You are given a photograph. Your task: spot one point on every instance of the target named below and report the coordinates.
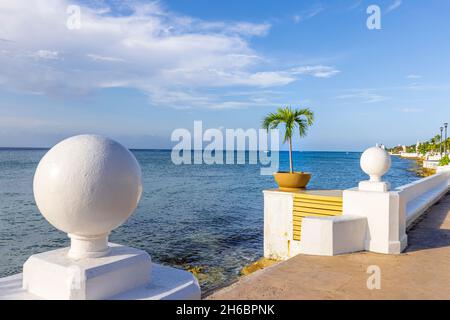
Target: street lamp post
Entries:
(445, 140)
(440, 144)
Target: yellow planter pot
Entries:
(292, 181)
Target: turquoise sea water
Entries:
(207, 217)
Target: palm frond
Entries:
(272, 120)
(306, 114)
(302, 118)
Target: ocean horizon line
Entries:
(170, 150)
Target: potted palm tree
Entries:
(302, 119)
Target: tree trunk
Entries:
(291, 170)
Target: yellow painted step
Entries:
(318, 206)
(317, 211)
(317, 197)
(303, 215)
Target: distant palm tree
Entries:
(301, 118)
(435, 142)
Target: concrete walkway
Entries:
(422, 272)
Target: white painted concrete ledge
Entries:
(166, 283)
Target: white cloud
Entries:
(5, 40)
(363, 95)
(411, 110)
(45, 54)
(175, 59)
(395, 5)
(355, 5)
(308, 14)
(97, 57)
(317, 71)
(242, 28)
(297, 18)
(413, 76)
(24, 122)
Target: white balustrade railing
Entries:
(418, 196)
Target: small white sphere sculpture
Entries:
(375, 162)
(86, 186)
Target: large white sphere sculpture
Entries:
(375, 162)
(86, 186)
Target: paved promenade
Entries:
(421, 272)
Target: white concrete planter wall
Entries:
(278, 220)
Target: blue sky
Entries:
(137, 70)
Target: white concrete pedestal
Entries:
(166, 283)
(375, 186)
(54, 275)
(386, 228)
(125, 273)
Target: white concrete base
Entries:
(328, 236)
(387, 247)
(386, 228)
(54, 275)
(374, 186)
(166, 283)
(123, 272)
